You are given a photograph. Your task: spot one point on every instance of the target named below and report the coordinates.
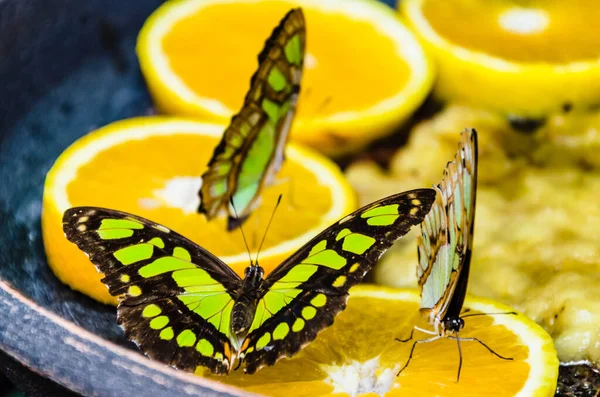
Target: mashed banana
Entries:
(537, 226)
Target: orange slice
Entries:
(364, 72)
(359, 356)
(151, 167)
(529, 58)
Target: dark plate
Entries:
(67, 67)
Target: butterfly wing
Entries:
(175, 298)
(252, 148)
(446, 240)
(304, 294)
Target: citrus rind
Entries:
(513, 88)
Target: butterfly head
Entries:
(253, 274)
(453, 324)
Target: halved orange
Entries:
(529, 58)
(151, 167)
(358, 356)
(364, 71)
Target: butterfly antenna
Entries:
(268, 225)
(241, 230)
(486, 314)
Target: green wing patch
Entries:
(303, 295)
(252, 148)
(175, 298)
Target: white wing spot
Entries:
(83, 219)
(82, 228)
(346, 219)
(162, 228)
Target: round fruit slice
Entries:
(529, 58)
(359, 355)
(364, 71)
(151, 167)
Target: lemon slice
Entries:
(530, 59)
(151, 167)
(364, 71)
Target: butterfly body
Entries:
(252, 149)
(246, 300)
(185, 307)
(451, 323)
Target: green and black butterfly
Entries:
(251, 151)
(445, 248)
(185, 307)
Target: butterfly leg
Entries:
(425, 331)
(482, 344)
(407, 339)
(412, 350)
(239, 364)
(459, 359)
(458, 339)
(413, 331)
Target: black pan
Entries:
(66, 67)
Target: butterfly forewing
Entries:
(175, 298)
(304, 294)
(252, 148)
(446, 240)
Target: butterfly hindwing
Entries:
(252, 148)
(303, 295)
(175, 298)
(446, 240)
(163, 331)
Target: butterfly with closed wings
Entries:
(251, 151)
(445, 247)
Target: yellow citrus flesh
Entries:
(364, 71)
(151, 167)
(530, 59)
(359, 355)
